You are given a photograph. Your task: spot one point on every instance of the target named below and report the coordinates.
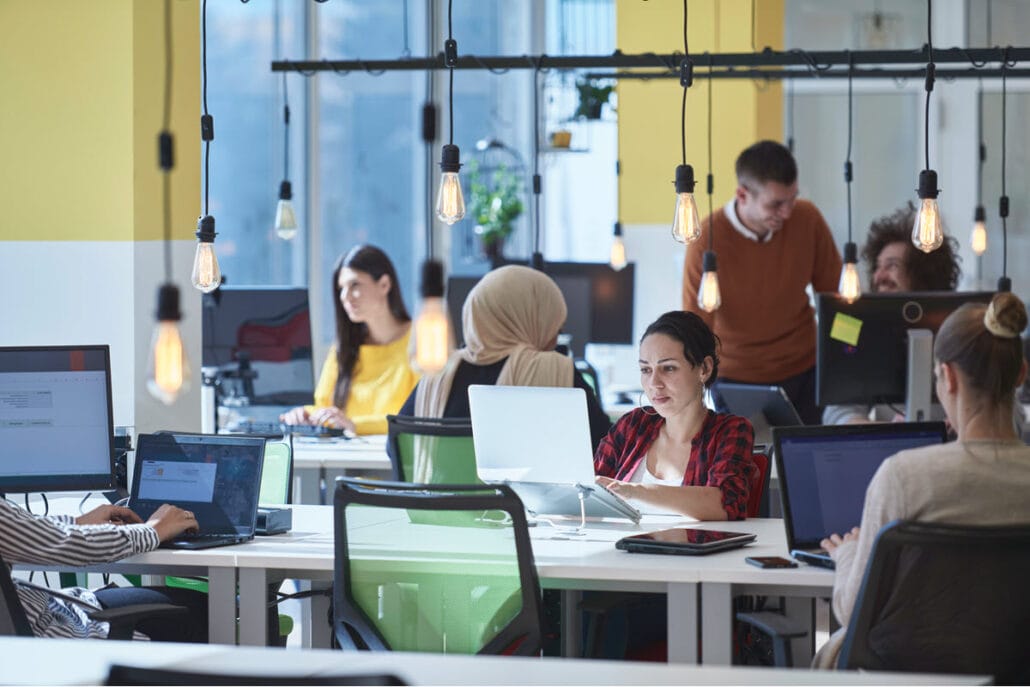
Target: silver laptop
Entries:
(766, 406)
(537, 439)
(218, 477)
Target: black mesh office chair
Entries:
(434, 568)
(129, 675)
(944, 599)
(14, 622)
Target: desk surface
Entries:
(87, 662)
(358, 453)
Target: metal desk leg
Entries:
(571, 623)
(221, 605)
(682, 604)
(253, 606)
(716, 624)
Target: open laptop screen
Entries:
(216, 477)
(824, 472)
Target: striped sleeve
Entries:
(28, 538)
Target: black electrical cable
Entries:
(407, 49)
(753, 24)
(286, 130)
(929, 79)
(206, 117)
(1003, 202)
(166, 123)
(790, 111)
(711, 176)
(847, 162)
(537, 181)
(683, 106)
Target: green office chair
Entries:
(427, 450)
(276, 479)
(404, 582)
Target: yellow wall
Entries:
(649, 111)
(80, 114)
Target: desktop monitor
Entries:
(260, 338)
(56, 423)
(599, 302)
(862, 347)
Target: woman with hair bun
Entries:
(676, 455)
(981, 479)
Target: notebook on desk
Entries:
(216, 477)
(537, 439)
(824, 472)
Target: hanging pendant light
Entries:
(206, 275)
(850, 286)
(709, 297)
(617, 256)
(450, 201)
(285, 216)
(927, 234)
(686, 225)
(168, 367)
(432, 332)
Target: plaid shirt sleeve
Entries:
(617, 454)
(730, 467)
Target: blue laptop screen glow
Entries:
(827, 478)
(215, 477)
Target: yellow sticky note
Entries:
(846, 328)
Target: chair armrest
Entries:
(124, 620)
(774, 624)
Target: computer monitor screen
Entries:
(56, 423)
(261, 338)
(599, 302)
(862, 347)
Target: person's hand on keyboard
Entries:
(108, 515)
(171, 521)
(331, 416)
(296, 416)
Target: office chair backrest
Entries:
(277, 474)
(589, 374)
(13, 621)
(429, 450)
(130, 675)
(944, 599)
(758, 499)
(462, 581)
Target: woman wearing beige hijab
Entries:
(511, 321)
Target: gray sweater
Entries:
(961, 483)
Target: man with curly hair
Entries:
(895, 264)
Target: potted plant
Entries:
(591, 99)
(494, 204)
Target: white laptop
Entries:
(537, 440)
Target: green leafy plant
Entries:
(591, 99)
(494, 202)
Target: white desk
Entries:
(28, 661)
(698, 589)
(317, 461)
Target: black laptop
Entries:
(218, 477)
(766, 406)
(824, 472)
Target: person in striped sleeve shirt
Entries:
(106, 533)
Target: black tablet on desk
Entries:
(684, 541)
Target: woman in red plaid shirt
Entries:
(676, 455)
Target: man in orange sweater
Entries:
(771, 247)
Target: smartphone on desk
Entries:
(771, 562)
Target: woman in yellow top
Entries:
(366, 375)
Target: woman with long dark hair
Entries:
(367, 374)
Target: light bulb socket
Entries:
(285, 191)
(687, 72)
(979, 215)
(850, 253)
(928, 184)
(207, 127)
(618, 229)
(1003, 207)
(165, 151)
(428, 123)
(206, 229)
(168, 303)
(432, 279)
(1004, 284)
(450, 53)
(708, 262)
(848, 172)
(450, 158)
(684, 179)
